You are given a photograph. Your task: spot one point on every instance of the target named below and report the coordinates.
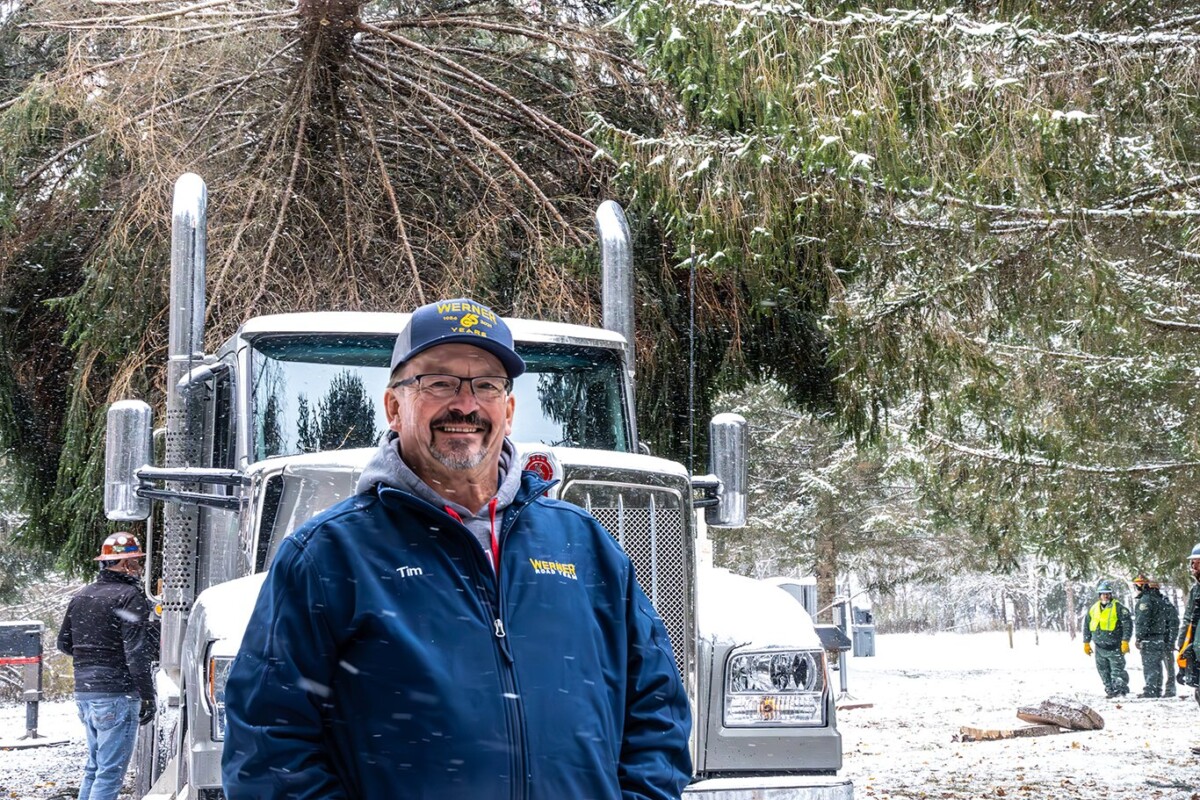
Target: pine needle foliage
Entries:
(987, 214)
(359, 155)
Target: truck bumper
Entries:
(800, 787)
(164, 787)
(206, 765)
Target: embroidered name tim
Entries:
(409, 572)
(553, 568)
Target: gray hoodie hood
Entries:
(388, 468)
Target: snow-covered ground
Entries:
(921, 689)
(924, 687)
(44, 772)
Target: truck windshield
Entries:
(315, 392)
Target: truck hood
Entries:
(356, 459)
(223, 612)
(732, 610)
(735, 610)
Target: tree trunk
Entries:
(826, 574)
(1071, 609)
(1035, 597)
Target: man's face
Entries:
(131, 566)
(1195, 565)
(1105, 598)
(452, 440)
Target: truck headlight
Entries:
(217, 676)
(775, 688)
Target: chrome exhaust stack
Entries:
(616, 292)
(189, 239)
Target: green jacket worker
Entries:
(1150, 629)
(1109, 625)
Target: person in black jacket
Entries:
(1150, 631)
(1170, 616)
(107, 631)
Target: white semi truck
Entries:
(277, 424)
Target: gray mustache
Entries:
(455, 417)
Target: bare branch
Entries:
(1039, 462)
(438, 133)
(117, 22)
(1057, 354)
(29, 178)
(539, 120)
(281, 216)
(512, 30)
(1182, 255)
(494, 148)
(76, 73)
(1154, 191)
(1172, 324)
(401, 228)
(1075, 211)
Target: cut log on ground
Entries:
(971, 733)
(1064, 712)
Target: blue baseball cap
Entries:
(462, 320)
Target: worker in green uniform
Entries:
(1150, 631)
(1170, 616)
(1187, 634)
(1111, 626)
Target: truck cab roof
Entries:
(373, 322)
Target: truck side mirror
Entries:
(727, 457)
(127, 448)
(201, 376)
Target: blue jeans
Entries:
(111, 722)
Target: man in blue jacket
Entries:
(449, 632)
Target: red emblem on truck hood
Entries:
(541, 464)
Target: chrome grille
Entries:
(649, 523)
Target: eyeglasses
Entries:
(442, 387)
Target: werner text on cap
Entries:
(461, 320)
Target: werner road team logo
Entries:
(554, 568)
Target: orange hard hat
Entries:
(120, 545)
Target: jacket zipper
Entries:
(494, 603)
(516, 719)
(521, 771)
